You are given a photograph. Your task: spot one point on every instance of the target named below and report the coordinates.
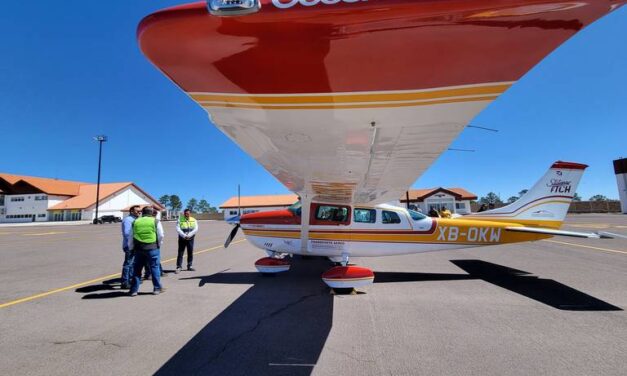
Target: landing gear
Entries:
(274, 264)
(345, 278)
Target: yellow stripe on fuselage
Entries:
(448, 232)
(526, 222)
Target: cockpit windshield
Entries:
(295, 208)
(416, 216)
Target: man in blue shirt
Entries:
(129, 254)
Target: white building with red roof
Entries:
(35, 199)
(457, 200)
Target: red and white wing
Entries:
(352, 101)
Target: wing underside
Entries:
(353, 101)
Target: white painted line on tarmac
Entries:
(99, 279)
(587, 225)
(291, 365)
(586, 246)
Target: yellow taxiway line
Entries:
(586, 246)
(44, 233)
(99, 279)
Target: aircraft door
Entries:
(329, 229)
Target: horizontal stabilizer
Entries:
(549, 231)
(611, 235)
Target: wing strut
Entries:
(305, 207)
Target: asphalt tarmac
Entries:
(554, 307)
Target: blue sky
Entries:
(71, 70)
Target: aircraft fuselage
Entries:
(372, 231)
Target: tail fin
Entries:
(546, 203)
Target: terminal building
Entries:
(35, 199)
(457, 200)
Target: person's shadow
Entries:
(111, 287)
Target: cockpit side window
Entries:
(390, 217)
(329, 213)
(365, 215)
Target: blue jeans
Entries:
(153, 259)
(127, 267)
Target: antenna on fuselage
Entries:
(484, 128)
(466, 150)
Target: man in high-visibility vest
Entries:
(187, 227)
(146, 242)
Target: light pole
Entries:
(100, 139)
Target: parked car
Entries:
(108, 219)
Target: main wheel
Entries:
(348, 277)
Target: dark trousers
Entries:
(189, 244)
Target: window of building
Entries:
(390, 217)
(332, 213)
(365, 215)
(1, 200)
(41, 198)
(233, 212)
(41, 215)
(248, 211)
(460, 205)
(20, 216)
(14, 199)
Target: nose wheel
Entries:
(272, 265)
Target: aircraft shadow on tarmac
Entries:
(278, 326)
(546, 291)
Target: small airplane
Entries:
(340, 231)
(348, 102)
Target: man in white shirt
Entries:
(186, 227)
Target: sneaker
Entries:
(157, 292)
(177, 271)
(132, 294)
(189, 268)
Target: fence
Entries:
(594, 207)
(578, 207)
